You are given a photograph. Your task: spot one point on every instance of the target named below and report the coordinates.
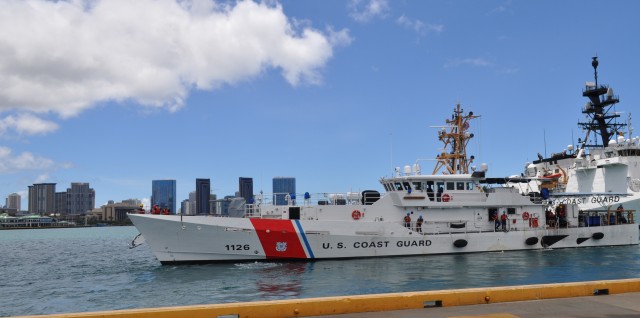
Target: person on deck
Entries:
(419, 224)
(620, 215)
(496, 220)
(503, 220)
(407, 221)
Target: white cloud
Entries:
(66, 56)
(42, 178)
(27, 124)
(502, 8)
(478, 61)
(418, 26)
(23, 161)
(366, 10)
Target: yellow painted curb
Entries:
(377, 302)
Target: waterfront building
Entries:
(132, 202)
(163, 194)
(203, 192)
(114, 212)
(28, 221)
(42, 198)
(80, 198)
(283, 187)
(246, 189)
(13, 201)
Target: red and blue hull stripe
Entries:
(280, 240)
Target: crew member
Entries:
(419, 224)
(407, 221)
(503, 220)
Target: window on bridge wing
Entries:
(451, 185)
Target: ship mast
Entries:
(600, 120)
(455, 137)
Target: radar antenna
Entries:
(600, 119)
(455, 137)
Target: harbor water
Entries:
(49, 271)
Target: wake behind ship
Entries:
(455, 209)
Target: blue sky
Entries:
(334, 93)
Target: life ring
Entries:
(356, 215)
(446, 198)
(525, 215)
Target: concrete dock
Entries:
(610, 298)
(618, 306)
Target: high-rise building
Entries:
(184, 207)
(42, 198)
(61, 203)
(246, 189)
(13, 201)
(192, 203)
(163, 194)
(282, 187)
(80, 198)
(203, 190)
(213, 207)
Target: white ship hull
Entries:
(218, 239)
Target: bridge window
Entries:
(451, 185)
(469, 186)
(398, 186)
(417, 186)
(406, 185)
(460, 186)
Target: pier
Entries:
(620, 298)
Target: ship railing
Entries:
(325, 198)
(607, 217)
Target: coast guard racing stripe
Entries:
(279, 239)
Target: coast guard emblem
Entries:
(281, 246)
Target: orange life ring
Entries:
(446, 198)
(356, 215)
(525, 215)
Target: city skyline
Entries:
(336, 94)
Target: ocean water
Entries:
(49, 271)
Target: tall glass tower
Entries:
(203, 191)
(283, 186)
(163, 193)
(246, 189)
